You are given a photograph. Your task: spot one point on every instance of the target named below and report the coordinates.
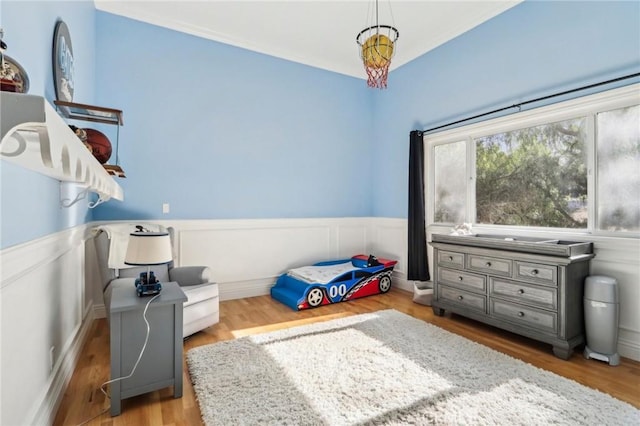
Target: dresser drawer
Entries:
(450, 259)
(528, 294)
(462, 280)
(537, 272)
(524, 315)
(463, 298)
(491, 265)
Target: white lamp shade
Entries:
(148, 248)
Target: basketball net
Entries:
(377, 76)
(376, 50)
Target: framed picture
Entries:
(63, 63)
(89, 112)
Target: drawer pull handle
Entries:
(520, 314)
(460, 297)
(460, 278)
(488, 264)
(521, 291)
(450, 258)
(534, 272)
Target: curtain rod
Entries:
(519, 106)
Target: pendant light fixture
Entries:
(377, 46)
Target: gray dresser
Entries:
(529, 286)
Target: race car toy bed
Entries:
(334, 281)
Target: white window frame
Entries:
(586, 106)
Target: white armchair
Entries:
(201, 310)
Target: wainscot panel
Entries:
(45, 317)
(246, 256)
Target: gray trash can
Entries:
(601, 319)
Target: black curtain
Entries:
(417, 264)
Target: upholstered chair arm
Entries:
(190, 275)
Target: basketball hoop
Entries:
(376, 52)
(377, 44)
(377, 77)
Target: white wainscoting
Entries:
(47, 302)
(247, 256)
(43, 306)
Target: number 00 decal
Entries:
(338, 290)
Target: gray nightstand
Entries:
(161, 364)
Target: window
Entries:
(618, 169)
(533, 168)
(450, 181)
(533, 177)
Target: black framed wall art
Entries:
(63, 63)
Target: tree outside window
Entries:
(533, 177)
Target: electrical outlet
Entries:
(165, 208)
(52, 352)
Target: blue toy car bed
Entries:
(334, 281)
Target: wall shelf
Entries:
(86, 112)
(95, 114)
(34, 136)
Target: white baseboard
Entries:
(244, 289)
(400, 281)
(628, 346)
(99, 311)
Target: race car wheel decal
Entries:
(315, 296)
(384, 284)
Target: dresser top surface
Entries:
(544, 246)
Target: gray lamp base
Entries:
(613, 359)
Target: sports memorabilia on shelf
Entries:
(13, 78)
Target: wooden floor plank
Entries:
(83, 399)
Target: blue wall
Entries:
(30, 202)
(221, 132)
(532, 50)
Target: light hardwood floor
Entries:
(83, 400)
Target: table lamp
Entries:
(147, 249)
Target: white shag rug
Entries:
(385, 368)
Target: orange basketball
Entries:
(377, 51)
(100, 145)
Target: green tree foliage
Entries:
(533, 177)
